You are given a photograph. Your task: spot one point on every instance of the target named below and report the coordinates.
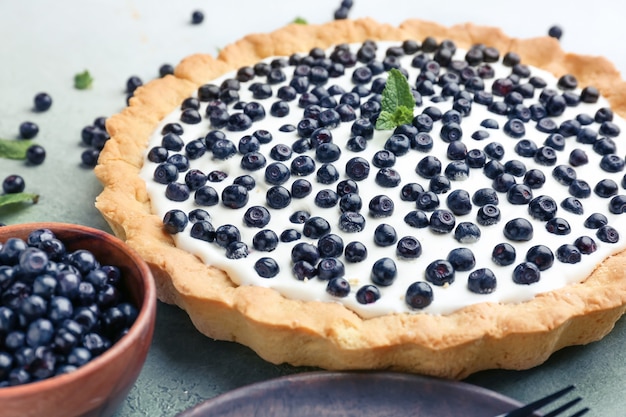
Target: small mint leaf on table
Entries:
(14, 149)
(83, 80)
(15, 198)
(397, 102)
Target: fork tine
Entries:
(528, 409)
(581, 412)
(559, 411)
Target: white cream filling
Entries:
(448, 298)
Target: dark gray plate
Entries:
(358, 394)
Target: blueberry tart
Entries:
(430, 199)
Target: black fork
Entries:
(528, 410)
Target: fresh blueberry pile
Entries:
(492, 181)
(58, 309)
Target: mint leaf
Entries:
(397, 102)
(83, 80)
(15, 198)
(300, 21)
(14, 149)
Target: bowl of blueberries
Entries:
(77, 313)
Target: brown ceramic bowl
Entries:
(98, 387)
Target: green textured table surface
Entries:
(44, 44)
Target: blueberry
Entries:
(302, 165)
(290, 235)
(442, 221)
(338, 287)
(607, 234)
(545, 155)
(265, 240)
(518, 230)
(451, 132)
(299, 217)
(579, 189)
(427, 201)
(13, 184)
(617, 205)
(475, 158)
(362, 127)
(612, 163)
(35, 154)
(503, 182)
(368, 294)
(428, 167)
(482, 281)
(226, 234)
(206, 196)
(326, 198)
(467, 232)
(609, 129)
(419, 295)
(357, 168)
(408, 247)
(277, 197)
(248, 143)
(197, 17)
(564, 174)
(605, 146)
(384, 159)
(459, 202)
(494, 150)
(514, 128)
(534, 178)
(440, 272)
(493, 168)
(315, 227)
(542, 208)
(526, 273)
(175, 221)
(203, 230)
(456, 151)
(356, 144)
(587, 136)
(384, 272)
(595, 221)
(558, 226)
(385, 235)
(388, 178)
(351, 222)
(277, 173)
(484, 196)
(327, 152)
(541, 256)
(608, 188)
(28, 130)
(457, 171)
(300, 188)
(223, 149)
(519, 194)
(422, 142)
(573, 205)
(585, 245)
(416, 218)
(235, 196)
(399, 144)
(39, 332)
(256, 216)
(42, 101)
(568, 254)
(488, 215)
(280, 152)
(330, 246)
(410, 191)
(347, 187)
(439, 184)
(381, 206)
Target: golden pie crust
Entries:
(328, 335)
